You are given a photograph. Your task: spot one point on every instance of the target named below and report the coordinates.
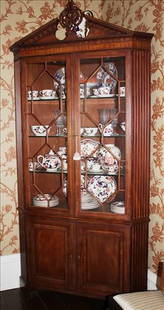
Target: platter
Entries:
(88, 147)
(102, 187)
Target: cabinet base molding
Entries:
(10, 265)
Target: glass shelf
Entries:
(109, 136)
(82, 172)
(102, 173)
(51, 172)
(49, 136)
(46, 99)
(82, 136)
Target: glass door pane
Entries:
(47, 134)
(103, 110)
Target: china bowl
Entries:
(45, 200)
(40, 130)
(89, 131)
(118, 207)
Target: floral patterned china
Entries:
(33, 165)
(40, 130)
(89, 131)
(108, 130)
(45, 200)
(88, 146)
(46, 94)
(109, 158)
(118, 207)
(33, 95)
(106, 81)
(92, 165)
(51, 162)
(88, 202)
(102, 187)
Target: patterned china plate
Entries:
(88, 146)
(102, 187)
(60, 76)
(109, 159)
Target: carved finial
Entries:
(70, 17)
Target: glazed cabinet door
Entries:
(50, 248)
(102, 127)
(47, 128)
(102, 255)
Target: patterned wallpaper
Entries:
(18, 18)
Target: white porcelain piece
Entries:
(47, 94)
(108, 130)
(90, 131)
(88, 147)
(33, 95)
(109, 157)
(40, 130)
(51, 162)
(45, 200)
(122, 91)
(33, 165)
(102, 187)
(118, 207)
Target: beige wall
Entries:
(20, 17)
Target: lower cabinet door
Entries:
(100, 259)
(50, 254)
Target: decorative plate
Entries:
(109, 159)
(102, 187)
(88, 146)
(113, 149)
(60, 77)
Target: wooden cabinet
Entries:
(82, 112)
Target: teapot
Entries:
(50, 161)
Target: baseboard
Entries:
(10, 272)
(151, 280)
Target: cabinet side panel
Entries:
(141, 134)
(19, 156)
(139, 252)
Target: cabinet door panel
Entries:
(101, 260)
(50, 248)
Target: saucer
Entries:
(47, 97)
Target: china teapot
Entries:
(50, 161)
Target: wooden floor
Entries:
(18, 299)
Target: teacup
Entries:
(108, 130)
(90, 131)
(47, 93)
(33, 165)
(40, 130)
(102, 91)
(33, 95)
(63, 149)
(122, 91)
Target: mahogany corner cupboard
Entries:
(82, 90)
